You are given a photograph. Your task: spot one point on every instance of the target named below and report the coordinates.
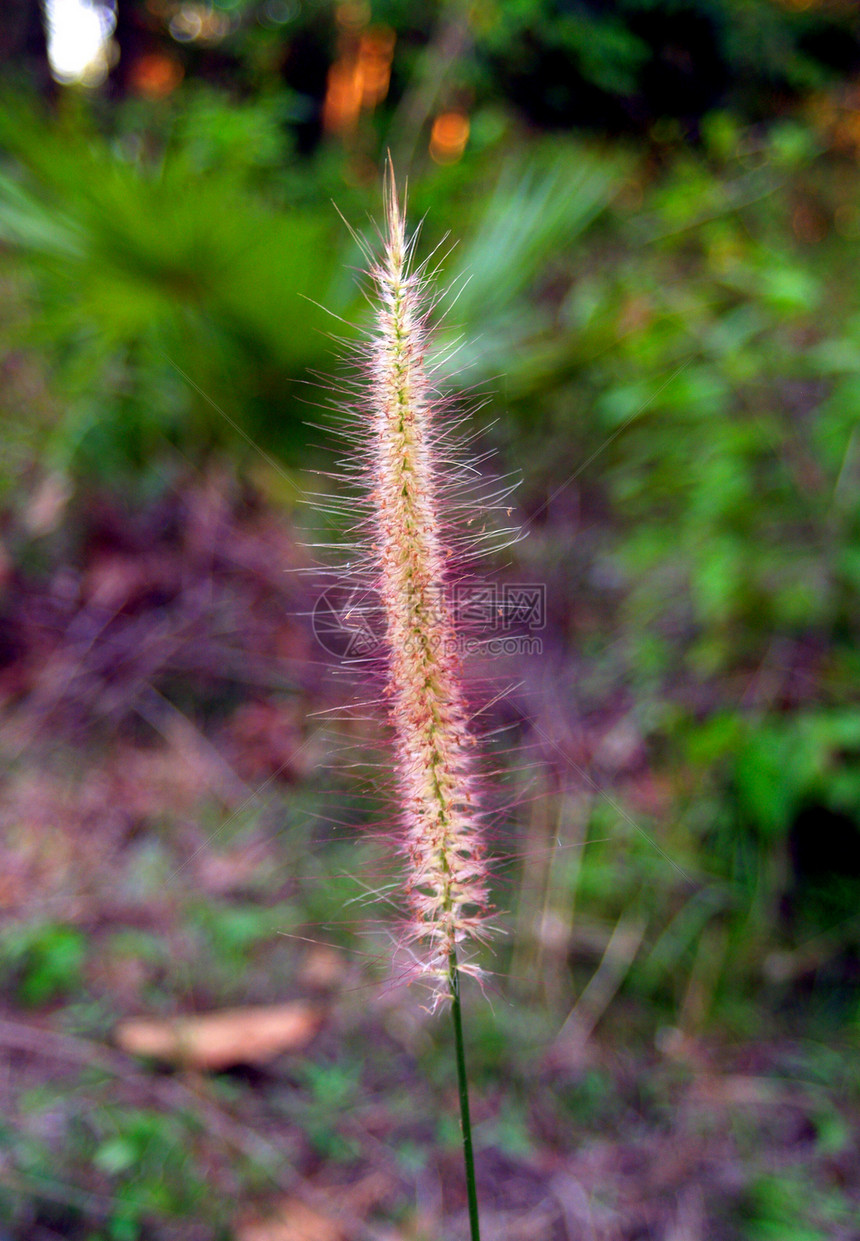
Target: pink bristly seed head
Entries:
(435, 766)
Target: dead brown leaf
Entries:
(293, 1222)
(215, 1041)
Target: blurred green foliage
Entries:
(139, 272)
(634, 61)
(43, 960)
(145, 1161)
(619, 67)
(717, 391)
(181, 304)
(777, 1206)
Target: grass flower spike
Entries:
(434, 746)
(404, 462)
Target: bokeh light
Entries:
(79, 40)
(448, 137)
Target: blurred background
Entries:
(652, 212)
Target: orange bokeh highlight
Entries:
(375, 51)
(155, 75)
(448, 137)
(359, 79)
(342, 98)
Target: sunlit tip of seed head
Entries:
(395, 212)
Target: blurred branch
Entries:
(620, 953)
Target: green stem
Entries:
(463, 1083)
